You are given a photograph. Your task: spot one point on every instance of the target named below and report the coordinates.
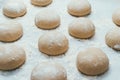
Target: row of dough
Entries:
(81, 28)
(75, 7)
(16, 8)
(91, 61)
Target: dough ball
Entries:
(92, 61)
(79, 7)
(53, 43)
(112, 38)
(81, 28)
(49, 71)
(44, 20)
(14, 9)
(11, 57)
(41, 2)
(116, 17)
(10, 31)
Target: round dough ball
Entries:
(14, 9)
(82, 28)
(112, 38)
(11, 57)
(49, 71)
(116, 17)
(79, 7)
(53, 43)
(92, 61)
(44, 20)
(41, 2)
(10, 31)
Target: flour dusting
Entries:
(100, 16)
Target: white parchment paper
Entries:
(102, 18)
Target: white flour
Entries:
(15, 6)
(117, 46)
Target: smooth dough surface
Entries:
(79, 7)
(112, 38)
(47, 19)
(10, 31)
(49, 71)
(11, 57)
(14, 9)
(92, 61)
(81, 28)
(116, 17)
(53, 43)
(41, 2)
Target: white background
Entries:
(102, 18)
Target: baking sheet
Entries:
(101, 16)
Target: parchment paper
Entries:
(102, 18)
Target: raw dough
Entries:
(81, 28)
(11, 57)
(14, 9)
(79, 7)
(10, 31)
(47, 19)
(53, 43)
(116, 17)
(92, 61)
(112, 38)
(49, 71)
(41, 2)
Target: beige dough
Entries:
(11, 57)
(92, 61)
(14, 9)
(41, 2)
(79, 7)
(53, 43)
(112, 38)
(49, 71)
(81, 28)
(116, 17)
(10, 31)
(44, 20)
